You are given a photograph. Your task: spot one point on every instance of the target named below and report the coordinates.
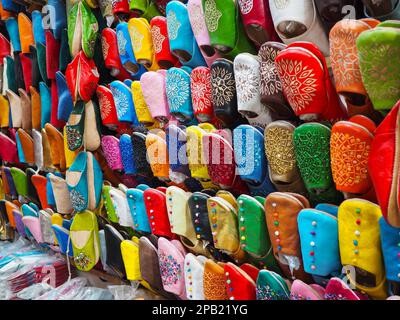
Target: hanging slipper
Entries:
(360, 246)
(383, 94)
(282, 228)
(82, 30)
(181, 38)
(314, 96)
(82, 77)
(346, 67)
(108, 111)
(126, 53)
(199, 27)
(318, 233)
(239, 285)
(171, 257)
(137, 208)
(25, 32)
(177, 86)
(84, 235)
(312, 150)
(157, 103)
(271, 286)
(257, 21)
(279, 149)
(141, 108)
(159, 33)
(253, 233)
(123, 102)
(292, 24)
(142, 44)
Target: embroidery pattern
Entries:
(157, 38)
(201, 92)
(280, 150)
(173, 25)
(105, 47)
(344, 58)
(247, 82)
(212, 15)
(197, 20)
(177, 88)
(349, 157)
(121, 41)
(245, 6)
(223, 86)
(77, 200)
(270, 83)
(171, 270)
(136, 38)
(380, 71)
(298, 82)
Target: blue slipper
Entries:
(123, 102)
(181, 38)
(125, 145)
(65, 103)
(13, 31)
(177, 84)
(138, 210)
(37, 26)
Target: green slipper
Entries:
(84, 233)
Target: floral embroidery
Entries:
(157, 38)
(247, 82)
(171, 270)
(74, 138)
(245, 6)
(266, 293)
(105, 47)
(380, 72)
(270, 83)
(82, 261)
(223, 86)
(121, 102)
(298, 83)
(197, 20)
(349, 159)
(105, 105)
(279, 149)
(212, 15)
(136, 38)
(173, 25)
(201, 92)
(177, 88)
(121, 43)
(77, 200)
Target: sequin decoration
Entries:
(279, 149)
(157, 38)
(266, 293)
(173, 25)
(82, 261)
(211, 15)
(171, 270)
(298, 82)
(177, 88)
(349, 159)
(77, 200)
(223, 86)
(74, 138)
